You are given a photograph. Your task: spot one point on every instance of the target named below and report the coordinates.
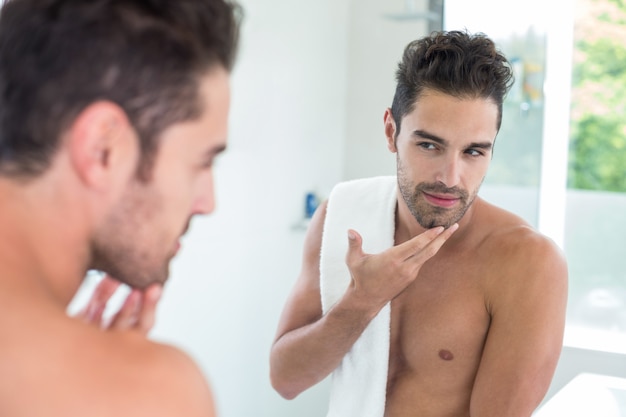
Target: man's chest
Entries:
(440, 322)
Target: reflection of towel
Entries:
(368, 206)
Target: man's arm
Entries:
(527, 303)
(309, 345)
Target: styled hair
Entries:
(456, 63)
(147, 56)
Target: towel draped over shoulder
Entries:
(368, 206)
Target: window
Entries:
(595, 212)
(560, 157)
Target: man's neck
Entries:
(41, 244)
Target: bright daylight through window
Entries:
(595, 221)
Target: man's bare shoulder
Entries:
(518, 255)
(505, 232)
(73, 369)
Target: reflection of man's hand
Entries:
(137, 313)
(379, 278)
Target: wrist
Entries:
(358, 306)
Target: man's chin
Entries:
(429, 223)
(445, 218)
(145, 280)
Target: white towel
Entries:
(368, 206)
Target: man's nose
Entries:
(205, 199)
(449, 172)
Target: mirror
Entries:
(309, 91)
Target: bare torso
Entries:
(469, 334)
(439, 325)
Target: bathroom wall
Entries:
(377, 37)
(230, 281)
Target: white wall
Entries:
(376, 46)
(229, 284)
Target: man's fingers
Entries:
(105, 289)
(413, 246)
(355, 247)
(127, 317)
(138, 311)
(147, 314)
(427, 251)
(103, 292)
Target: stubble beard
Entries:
(124, 250)
(427, 215)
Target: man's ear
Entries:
(390, 131)
(102, 145)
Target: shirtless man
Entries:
(111, 114)
(478, 305)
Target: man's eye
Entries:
(207, 164)
(474, 152)
(427, 145)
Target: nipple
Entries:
(446, 355)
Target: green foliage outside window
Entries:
(597, 156)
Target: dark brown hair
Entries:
(455, 63)
(58, 56)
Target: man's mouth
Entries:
(177, 247)
(441, 200)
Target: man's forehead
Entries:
(442, 118)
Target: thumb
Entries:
(355, 246)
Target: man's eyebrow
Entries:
(481, 145)
(425, 135)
